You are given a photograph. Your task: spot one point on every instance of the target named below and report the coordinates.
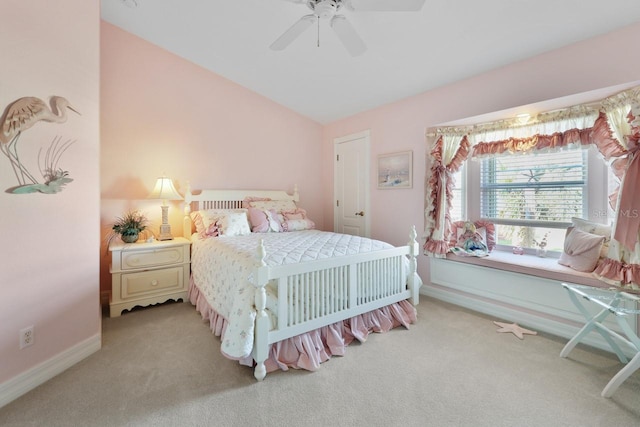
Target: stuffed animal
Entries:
(470, 239)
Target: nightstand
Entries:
(148, 273)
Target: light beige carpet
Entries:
(161, 366)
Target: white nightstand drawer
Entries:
(148, 273)
(134, 285)
(151, 258)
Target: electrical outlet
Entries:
(26, 337)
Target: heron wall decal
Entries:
(21, 115)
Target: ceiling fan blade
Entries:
(347, 35)
(294, 32)
(387, 5)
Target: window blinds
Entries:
(544, 189)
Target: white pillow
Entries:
(234, 224)
(206, 221)
(592, 227)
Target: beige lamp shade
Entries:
(165, 190)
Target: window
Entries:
(531, 197)
(545, 189)
(457, 211)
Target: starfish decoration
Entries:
(514, 328)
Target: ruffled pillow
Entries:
(296, 213)
(581, 250)
(264, 221)
(298, 225)
(296, 220)
(207, 222)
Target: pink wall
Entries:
(593, 64)
(162, 114)
(50, 242)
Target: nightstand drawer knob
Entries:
(154, 282)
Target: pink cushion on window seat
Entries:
(532, 265)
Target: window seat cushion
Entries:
(547, 268)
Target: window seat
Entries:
(547, 268)
(523, 289)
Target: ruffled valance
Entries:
(598, 134)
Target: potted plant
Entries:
(129, 226)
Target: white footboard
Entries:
(319, 293)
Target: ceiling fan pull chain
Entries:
(318, 33)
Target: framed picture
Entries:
(395, 170)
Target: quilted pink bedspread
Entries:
(221, 268)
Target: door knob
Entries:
(361, 213)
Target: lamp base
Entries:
(165, 232)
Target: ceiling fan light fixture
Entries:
(130, 3)
(324, 9)
(328, 9)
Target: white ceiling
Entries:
(408, 52)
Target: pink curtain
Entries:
(628, 219)
(622, 267)
(440, 195)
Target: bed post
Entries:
(186, 220)
(296, 196)
(413, 266)
(261, 329)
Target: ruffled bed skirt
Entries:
(309, 350)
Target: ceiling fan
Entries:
(328, 9)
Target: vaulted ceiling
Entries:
(407, 52)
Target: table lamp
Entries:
(165, 190)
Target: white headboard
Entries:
(225, 199)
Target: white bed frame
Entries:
(326, 291)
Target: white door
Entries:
(351, 189)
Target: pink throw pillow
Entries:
(258, 220)
(581, 250)
(212, 230)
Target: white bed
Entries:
(308, 280)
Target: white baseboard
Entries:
(32, 378)
(535, 302)
(563, 328)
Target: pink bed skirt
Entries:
(309, 350)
